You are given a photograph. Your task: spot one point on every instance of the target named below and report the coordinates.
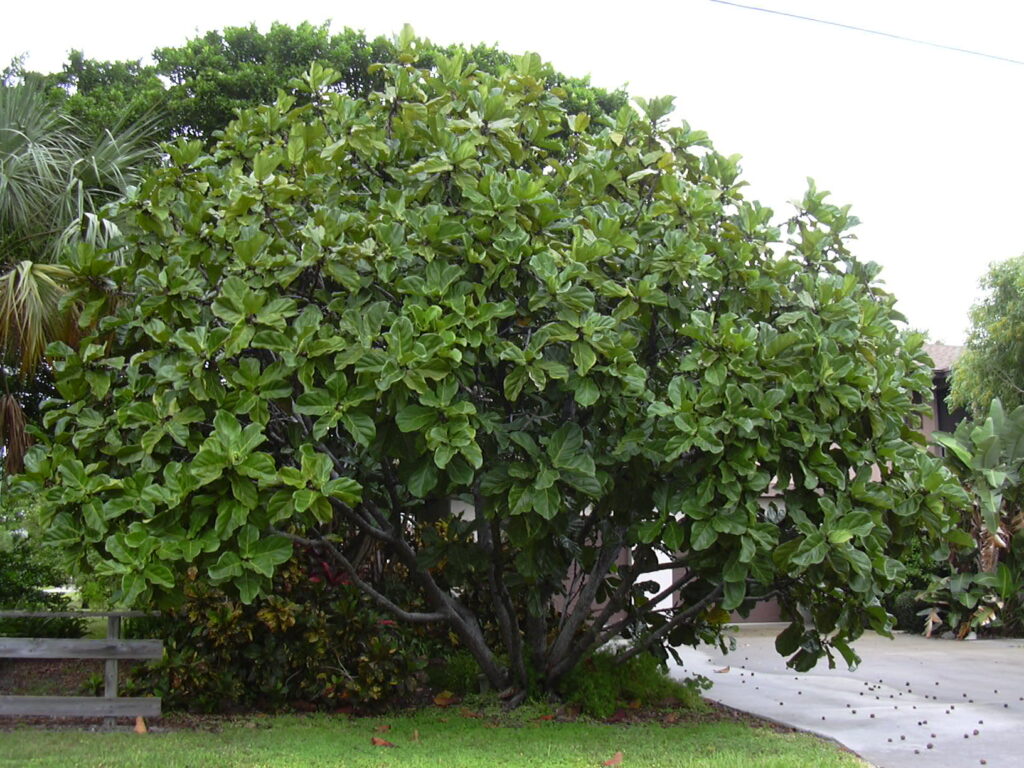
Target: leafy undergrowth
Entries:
(458, 736)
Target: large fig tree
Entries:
(531, 357)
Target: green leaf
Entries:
(649, 530)
(564, 447)
(433, 164)
(400, 339)
(344, 489)
(703, 535)
(734, 593)
(230, 516)
(245, 491)
(1005, 583)
(849, 655)
(228, 430)
(583, 356)
(423, 479)
(586, 392)
(160, 574)
(514, 382)
(811, 551)
(960, 537)
(546, 502)
(673, 536)
(415, 418)
(303, 499)
(804, 660)
(259, 467)
(249, 586)
(228, 566)
(361, 427)
(133, 586)
(788, 641)
(247, 536)
(266, 554)
(839, 536)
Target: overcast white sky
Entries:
(926, 143)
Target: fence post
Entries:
(110, 666)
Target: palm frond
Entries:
(52, 175)
(30, 311)
(54, 181)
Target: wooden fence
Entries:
(111, 650)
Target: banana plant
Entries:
(987, 457)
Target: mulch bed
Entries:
(47, 677)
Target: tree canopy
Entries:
(356, 310)
(992, 366)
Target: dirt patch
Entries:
(56, 677)
(50, 677)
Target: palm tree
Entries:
(54, 180)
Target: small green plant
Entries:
(601, 685)
(457, 672)
(92, 686)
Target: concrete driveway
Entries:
(912, 702)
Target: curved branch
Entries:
(367, 589)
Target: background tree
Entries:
(198, 87)
(992, 366)
(355, 310)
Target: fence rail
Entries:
(110, 650)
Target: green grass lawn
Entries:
(428, 738)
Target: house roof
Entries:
(943, 355)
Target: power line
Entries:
(890, 35)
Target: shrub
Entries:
(316, 643)
(457, 672)
(601, 684)
(356, 307)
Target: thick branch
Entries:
(367, 589)
(504, 610)
(585, 602)
(668, 626)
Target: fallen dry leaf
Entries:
(446, 699)
(723, 669)
(377, 742)
(671, 718)
(382, 728)
(615, 759)
(465, 712)
(546, 717)
(140, 725)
